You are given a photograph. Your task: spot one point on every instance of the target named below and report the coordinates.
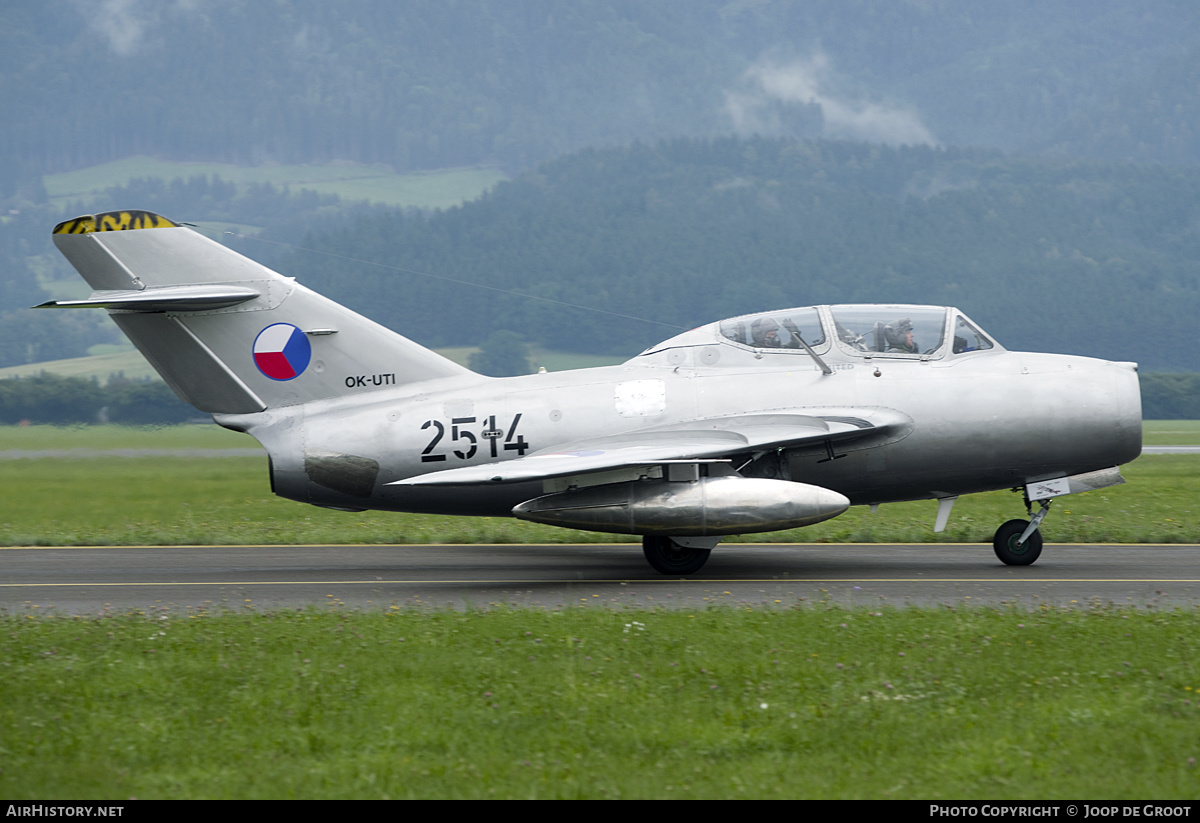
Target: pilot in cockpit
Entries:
(765, 333)
(899, 336)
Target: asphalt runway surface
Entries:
(94, 580)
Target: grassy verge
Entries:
(351, 182)
(205, 436)
(812, 701)
(186, 501)
(1171, 432)
(101, 367)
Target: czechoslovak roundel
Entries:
(282, 351)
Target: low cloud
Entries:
(813, 82)
(125, 24)
(121, 23)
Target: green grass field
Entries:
(352, 182)
(166, 500)
(205, 436)
(129, 363)
(1171, 432)
(811, 701)
(803, 700)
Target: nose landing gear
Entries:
(1018, 542)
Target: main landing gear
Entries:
(1018, 542)
(669, 556)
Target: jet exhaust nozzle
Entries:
(698, 508)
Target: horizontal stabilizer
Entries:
(168, 298)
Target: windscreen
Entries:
(968, 338)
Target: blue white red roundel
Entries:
(282, 351)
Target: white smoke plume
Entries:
(813, 81)
(125, 24)
(121, 23)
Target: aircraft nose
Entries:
(1128, 398)
(1097, 409)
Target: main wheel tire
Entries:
(1005, 544)
(668, 557)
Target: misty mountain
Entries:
(1048, 254)
(431, 84)
(682, 159)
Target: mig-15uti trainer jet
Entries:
(753, 424)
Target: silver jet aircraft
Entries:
(758, 423)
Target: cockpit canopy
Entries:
(777, 330)
(843, 332)
(879, 330)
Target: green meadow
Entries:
(804, 700)
(167, 499)
(351, 182)
(1171, 432)
(810, 701)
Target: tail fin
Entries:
(231, 336)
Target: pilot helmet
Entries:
(896, 333)
(761, 328)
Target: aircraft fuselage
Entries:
(989, 420)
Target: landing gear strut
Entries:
(670, 557)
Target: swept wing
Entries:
(710, 439)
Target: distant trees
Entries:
(49, 398)
(1170, 396)
(28, 336)
(502, 354)
(57, 400)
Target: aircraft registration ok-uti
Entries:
(758, 423)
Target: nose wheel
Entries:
(1010, 550)
(1018, 542)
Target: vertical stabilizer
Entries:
(227, 334)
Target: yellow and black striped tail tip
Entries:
(114, 221)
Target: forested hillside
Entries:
(432, 84)
(790, 153)
(1065, 256)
